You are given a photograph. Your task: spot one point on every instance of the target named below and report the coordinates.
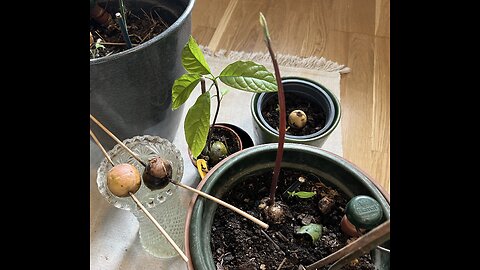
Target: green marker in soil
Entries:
(364, 212)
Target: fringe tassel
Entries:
(282, 59)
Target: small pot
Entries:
(228, 129)
(244, 136)
(309, 90)
(334, 170)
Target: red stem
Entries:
(283, 125)
(218, 102)
(209, 137)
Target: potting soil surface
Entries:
(238, 243)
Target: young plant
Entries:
(241, 75)
(95, 47)
(276, 211)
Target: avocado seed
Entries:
(157, 173)
(218, 151)
(275, 213)
(122, 179)
(297, 119)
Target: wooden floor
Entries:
(351, 32)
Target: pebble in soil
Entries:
(238, 243)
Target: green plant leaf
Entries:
(224, 91)
(314, 230)
(193, 60)
(248, 76)
(98, 45)
(301, 194)
(182, 88)
(305, 194)
(197, 123)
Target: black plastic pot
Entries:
(333, 169)
(305, 89)
(228, 128)
(131, 91)
(244, 136)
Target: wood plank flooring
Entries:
(351, 32)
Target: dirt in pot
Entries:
(142, 25)
(220, 137)
(315, 115)
(238, 243)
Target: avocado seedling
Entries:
(275, 211)
(241, 75)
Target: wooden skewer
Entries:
(170, 240)
(227, 205)
(201, 193)
(101, 147)
(117, 140)
(147, 213)
(356, 248)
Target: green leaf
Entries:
(193, 60)
(197, 123)
(263, 23)
(305, 194)
(248, 76)
(98, 45)
(182, 88)
(314, 230)
(224, 91)
(301, 194)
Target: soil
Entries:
(227, 138)
(238, 243)
(142, 25)
(315, 115)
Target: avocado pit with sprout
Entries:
(276, 213)
(122, 179)
(157, 173)
(218, 151)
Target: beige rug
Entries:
(114, 240)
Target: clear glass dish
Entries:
(163, 204)
(145, 147)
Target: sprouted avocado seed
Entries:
(157, 173)
(297, 119)
(218, 151)
(275, 213)
(122, 179)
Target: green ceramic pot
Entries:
(309, 90)
(335, 170)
